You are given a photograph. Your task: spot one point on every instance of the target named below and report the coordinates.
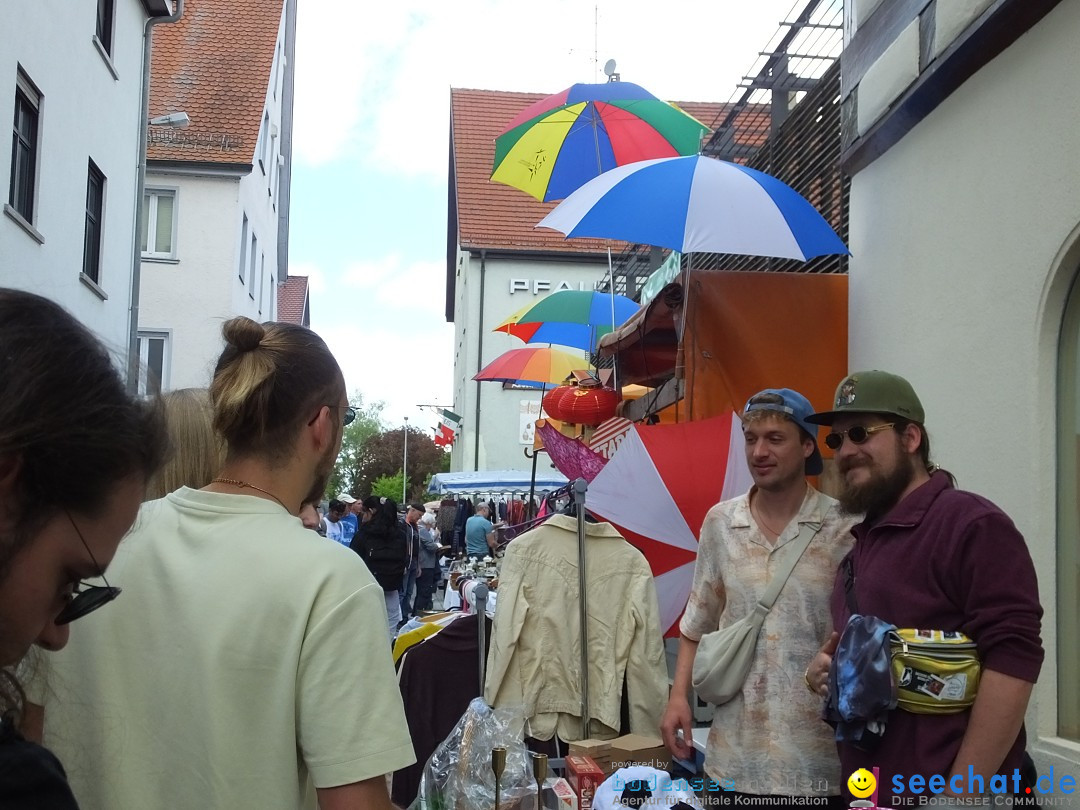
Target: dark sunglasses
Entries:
(857, 434)
(86, 598)
(348, 415)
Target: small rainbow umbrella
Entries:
(577, 318)
(534, 364)
(562, 141)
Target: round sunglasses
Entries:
(857, 434)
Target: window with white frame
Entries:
(252, 266)
(159, 224)
(24, 147)
(264, 132)
(153, 362)
(95, 213)
(104, 29)
(243, 249)
(262, 281)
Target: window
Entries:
(159, 224)
(105, 24)
(24, 148)
(264, 131)
(262, 281)
(271, 314)
(153, 362)
(95, 208)
(277, 69)
(243, 248)
(1068, 519)
(252, 266)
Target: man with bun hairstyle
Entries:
(930, 557)
(247, 666)
(767, 745)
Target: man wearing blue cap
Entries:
(767, 745)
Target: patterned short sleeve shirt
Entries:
(770, 739)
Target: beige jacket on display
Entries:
(535, 658)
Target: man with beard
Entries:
(244, 664)
(767, 745)
(930, 557)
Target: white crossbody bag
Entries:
(724, 657)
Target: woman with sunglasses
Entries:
(75, 455)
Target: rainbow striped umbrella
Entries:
(535, 364)
(561, 142)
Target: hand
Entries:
(817, 674)
(677, 718)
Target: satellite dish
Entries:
(609, 67)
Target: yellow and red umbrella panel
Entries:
(534, 364)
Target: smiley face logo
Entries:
(861, 783)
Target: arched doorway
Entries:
(1068, 519)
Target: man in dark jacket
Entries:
(930, 557)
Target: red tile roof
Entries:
(496, 216)
(292, 301)
(214, 64)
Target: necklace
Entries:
(763, 524)
(245, 484)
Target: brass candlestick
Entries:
(540, 769)
(498, 765)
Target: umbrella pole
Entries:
(579, 503)
(611, 289)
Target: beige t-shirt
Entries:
(770, 739)
(242, 666)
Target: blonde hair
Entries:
(197, 450)
(267, 381)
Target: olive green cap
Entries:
(873, 392)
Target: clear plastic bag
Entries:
(458, 775)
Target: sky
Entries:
(372, 123)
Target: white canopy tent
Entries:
(492, 481)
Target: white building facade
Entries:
(71, 73)
(498, 420)
(965, 241)
(215, 244)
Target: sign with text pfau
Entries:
(528, 413)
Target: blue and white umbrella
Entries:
(697, 204)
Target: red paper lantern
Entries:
(584, 405)
(551, 401)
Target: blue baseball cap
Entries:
(798, 409)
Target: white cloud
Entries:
(402, 367)
(376, 85)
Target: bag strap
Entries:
(807, 532)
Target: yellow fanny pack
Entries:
(935, 671)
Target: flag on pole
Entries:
(447, 429)
(444, 436)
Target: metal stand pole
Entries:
(579, 503)
(480, 595)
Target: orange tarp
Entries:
(748, 331)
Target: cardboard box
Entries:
(585, 777)
(598, 750)
(637, 749)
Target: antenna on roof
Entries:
(609, 71)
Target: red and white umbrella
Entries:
(657, 489)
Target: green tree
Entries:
(388, 486)
(350, 460)
(382, 456)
